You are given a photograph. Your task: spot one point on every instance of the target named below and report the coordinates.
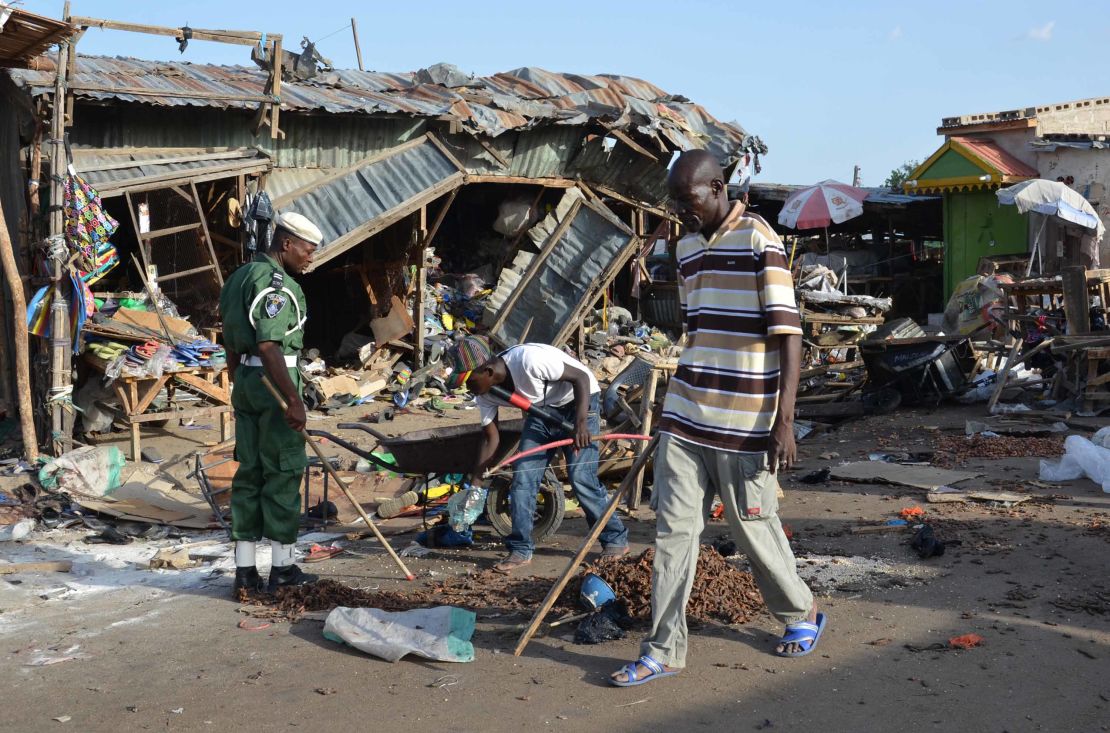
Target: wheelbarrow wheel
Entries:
(550, 507)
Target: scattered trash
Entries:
(63, 718)
(319, 553)
(819, 476)
(967, 641)
(1081, 458)
(595, 592)
(920, 477)
(441, 634)
(87, 471)
(608, 623)
(912, 512)
(415, 549)
(325, 690)
(172, 559)
(16, 531)
(926, 544)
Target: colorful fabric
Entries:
(87, 225)
(464, 357)
(736, 292)
(38, 311)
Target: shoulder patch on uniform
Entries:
(277, 279)
(273, 304)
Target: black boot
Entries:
(247, 579)
(288, 576)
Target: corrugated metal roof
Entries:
(109, 174)
(350, 200)
(996, 157)
(515, 100)
(875, 195)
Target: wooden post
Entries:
(19, 332)
(1076, 303)
(61, 420)
(647, 413)
(358, 51)
(275, 107)
(420, 233)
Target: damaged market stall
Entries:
(384, 163)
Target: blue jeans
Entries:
(582, 472)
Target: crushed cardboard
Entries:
(153, 497)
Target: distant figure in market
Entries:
(264, 312)
(545, 377)
(728, 418)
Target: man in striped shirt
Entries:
(728, 419)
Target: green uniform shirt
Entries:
(260, 302)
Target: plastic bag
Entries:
(608, 623)
(1081, 458)
(88, 471)
(161, 361)
(465, 507)
(442, 633)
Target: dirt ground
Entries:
(1030, 579)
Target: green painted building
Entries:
(967, 171)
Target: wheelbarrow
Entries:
(452, 450)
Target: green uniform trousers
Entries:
(266, 490)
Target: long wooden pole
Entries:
(60, 345)
(22, 358)
(358, 51)
(342, 484)
(561, 583)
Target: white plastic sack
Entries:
(1102, 438)
(1081, 458)
(442, 633)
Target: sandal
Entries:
(804, 634)
(655, 669)
(511, 563)
(319, 553)
(612, 553)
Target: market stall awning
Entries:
(542, 296)
(23, 35)
(967, 164)
(113, 173)
(355, 203)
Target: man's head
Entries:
(472, 364)
(295, 241)
(698, 193)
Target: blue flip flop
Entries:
(804, 634)
(629, 670)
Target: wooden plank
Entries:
(164, 180)
(446, 152)
(186, 273)
(207, 238)
(493, 152)
(275, 91)
(169, 231)
(661, 213)
(55, 566)
(180, 414)
(151, 393)
(431, 232)
(549, 182)
(203, 386)
(627, 140)
(1076, 304)
(241, 38)
(647, 413)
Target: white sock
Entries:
(282, 555)
(244, 554)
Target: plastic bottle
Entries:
(465, 507)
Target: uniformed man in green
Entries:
(263, 311)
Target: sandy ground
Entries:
(115, 646)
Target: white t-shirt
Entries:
(536, 370)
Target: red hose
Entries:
(564, 442)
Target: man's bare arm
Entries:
(783, 450)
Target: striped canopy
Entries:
(829, 202)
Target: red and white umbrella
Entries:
(829, 202)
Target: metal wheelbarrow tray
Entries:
(452, 449)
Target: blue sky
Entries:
(827, 85)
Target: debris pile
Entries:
(955, 450)
(721, 592)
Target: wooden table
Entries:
(137, 393)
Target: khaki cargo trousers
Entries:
(687, 477)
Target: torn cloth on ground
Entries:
(442, 633)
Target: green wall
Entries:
(972, 220)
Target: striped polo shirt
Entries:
(735, 291)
